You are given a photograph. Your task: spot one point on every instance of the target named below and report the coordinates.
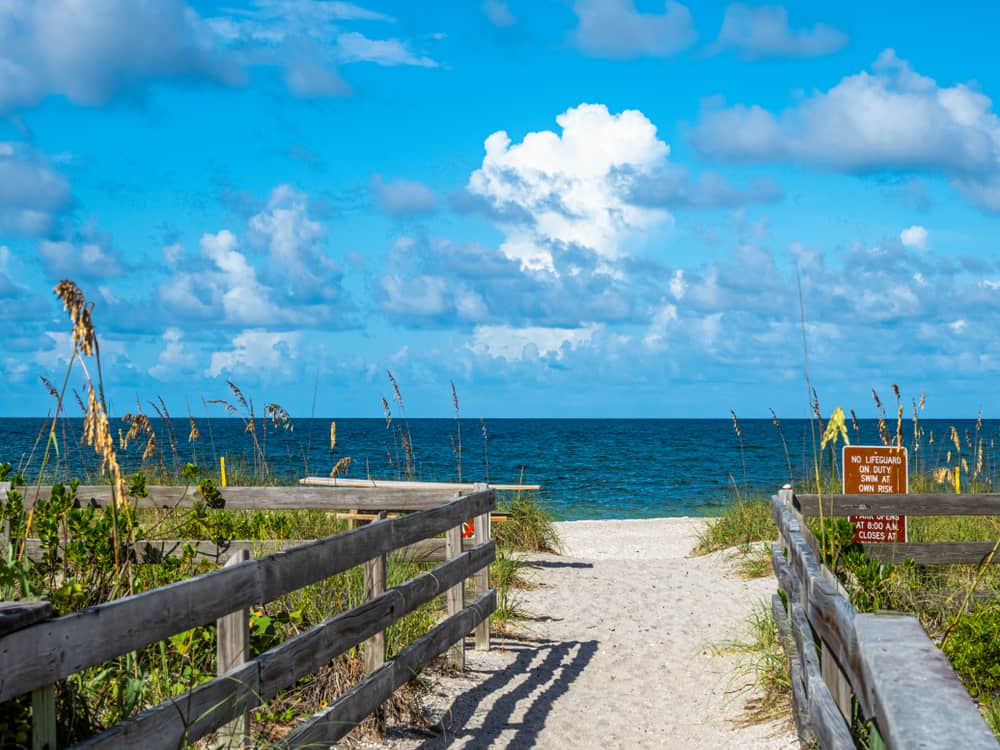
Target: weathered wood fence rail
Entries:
(38, 654)
(884, 666)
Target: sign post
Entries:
(876, 470)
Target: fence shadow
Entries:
(542, 669)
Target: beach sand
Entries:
(621, 653)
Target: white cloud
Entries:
(87, 257)
(404, 197)
(566, 184)
(91, 50)
(30, 192)
(915, 236)
(889, 119)
(530, 342)
(258, 352)
(355, 47)
(175, 360)
(616, 29)
(499, 13)
(291, 237)
(763, 31)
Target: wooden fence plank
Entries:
(43, 718)
(888, 505)
(267, 498)
(43, 653)
(917, 700)
(800, 704)
(455, 596)
(17, 615)
(232, 648)
(481, 581)
(189, 717)
(156, 550)
(332, 724)
(932, 553)
(827, 723)
(375, 570)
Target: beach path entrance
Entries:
(623, 653)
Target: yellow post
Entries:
(958, 479)
(222, 470)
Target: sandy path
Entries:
(620, 656)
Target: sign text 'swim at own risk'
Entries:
(876, 470)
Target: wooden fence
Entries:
(883, 666)
(35, 654)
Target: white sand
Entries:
(621, 653)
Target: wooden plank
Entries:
(332, 724)
(932, 553)
(45, 652)
(829, 726)
(481, 581)
(232, 649)
(374, 586)
(269, 498)
(455, 598)
(800, 703)
(155, 550)
(189, 717)
(917, 700)
(398, 484)
(786, 581)
(17, 615)
(911, 505)
(43, 718)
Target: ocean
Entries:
(587, 468)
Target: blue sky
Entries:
(589, 208)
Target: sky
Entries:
(589, 208)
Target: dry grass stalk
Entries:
(333, 436)
(76, 304)
(341, 467)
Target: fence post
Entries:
(43, 718)
(481, 578)
(4, 489)
(375, 570)
(232, 648)
(455, 595)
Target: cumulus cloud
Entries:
(175, 360)
(296, 284)
(891, 118)
(915, 236)
(258, 352)
(499, 13)
(87, 254)
(763, 31)
(31, 193)
(404, 197)
(567, 185)
(529, 342)
(92, 50)
(616, 29)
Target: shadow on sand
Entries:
(539, 675)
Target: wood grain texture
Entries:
(800, 703)
(17, 615)
(829, 726)
(888, 505)
(214, 703)
(48, 651)
(455, 596)
(269, 498)
(375, 572)
(932, 553)
(335, 722)
(481, 582)
(156, 550)
(232, 650)
(917, 699)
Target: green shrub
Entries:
(529, 527)
(974, 650)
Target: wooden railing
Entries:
(38, 654)
(885, 666)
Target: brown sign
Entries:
(876, 470)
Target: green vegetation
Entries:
(528, 528)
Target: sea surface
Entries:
(587, 468)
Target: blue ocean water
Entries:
(588, 468)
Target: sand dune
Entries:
(621, 653)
